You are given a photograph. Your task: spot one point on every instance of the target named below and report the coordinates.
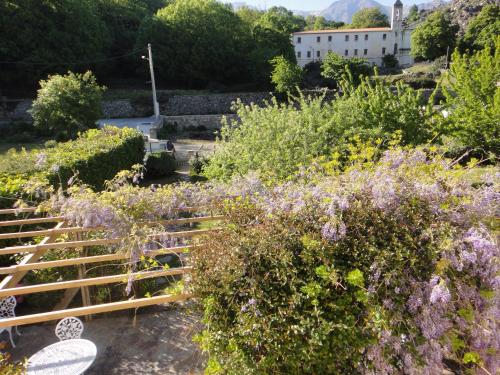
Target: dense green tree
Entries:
(49, 36)
(483, 29)
(321, 23)
(369, 17)
(413, 15)
(432, 37)
(282, 20)
(335, 67)
(68, 104)
(250, 16)
(286, 75)
(197, 41)
(473, 100)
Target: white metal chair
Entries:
(69, 328)
(7, 310)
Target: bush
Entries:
(279, 138)
(387, 268)
(96, 156)
(160, 164)
(68, 104)
(167, 129)
(390, 61)
(473, 101)
(197, 164)
(336, 67)
(286, 75)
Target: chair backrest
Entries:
(69, 328)
(7, 307)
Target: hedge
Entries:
(94, 157)
(160, 164)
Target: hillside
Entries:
(464, 10)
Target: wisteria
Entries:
(442, 303)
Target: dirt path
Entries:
(157, 341)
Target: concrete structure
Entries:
(370, 44)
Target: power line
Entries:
(72, 63)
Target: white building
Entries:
(370, 44)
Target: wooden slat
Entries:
(7, 211)
(89, 259)
(79, 311)
(37, 220)
(14, 279)
(51, 232)
(91, 281)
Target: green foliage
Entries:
(432, 37)
(389, 61)
(473, 100)
(68, 104)
(9, 368)
(197, 164)
(286, 76)
(160, 164)
(206, 42)
(47, 37)
(321, 23)
(96, 156)
(279, 138)
(483, 29)
(336, 67)
(369, 17)
(413, 15)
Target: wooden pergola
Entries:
(32, 260)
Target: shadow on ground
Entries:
(157, 340)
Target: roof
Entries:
(366, 30)
(398, 3)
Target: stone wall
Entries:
(196, 122)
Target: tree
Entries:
(369, 17)
(50, 36)
(68, 104)
(336, 67)
(413, 15)
(321, 23)
(282, 20)
(197, 42)
(286, 75)
(473, 100)
(434, 36)
(483, 29)
(389, 61)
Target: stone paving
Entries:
(157, 340)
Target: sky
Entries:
(308, 4)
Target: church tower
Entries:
(397, 16)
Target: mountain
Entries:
(343, 10)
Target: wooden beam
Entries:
(79, 311)
(14, 279)
(90, 259)
(7, 211)
(68, 296)
(91, 281)
(37, 220)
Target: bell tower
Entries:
(397, 16)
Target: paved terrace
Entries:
(157, 341)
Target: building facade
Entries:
(370, 44)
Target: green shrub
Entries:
(286, 75)
(167, 130)
(473, 100)
(279, 138)
(336, 67)
(197, 164)
(160, 164)
(388, 268)
(68, 104)
(96, 156)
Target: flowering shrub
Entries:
(386, 268)
(96, 156)
(279, 138)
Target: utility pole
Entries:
(156, 106)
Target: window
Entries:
(355, 52)
(384, 37)
(299, 55)
(395, 48)
(347, 38)
(383, 51)
(346, 52)
(356, 38)
(299, 40)
(365, 52)
(308, 54)
(329, 38)
(318, 39)
(318, 54)
(366, 36)
(396, 33)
